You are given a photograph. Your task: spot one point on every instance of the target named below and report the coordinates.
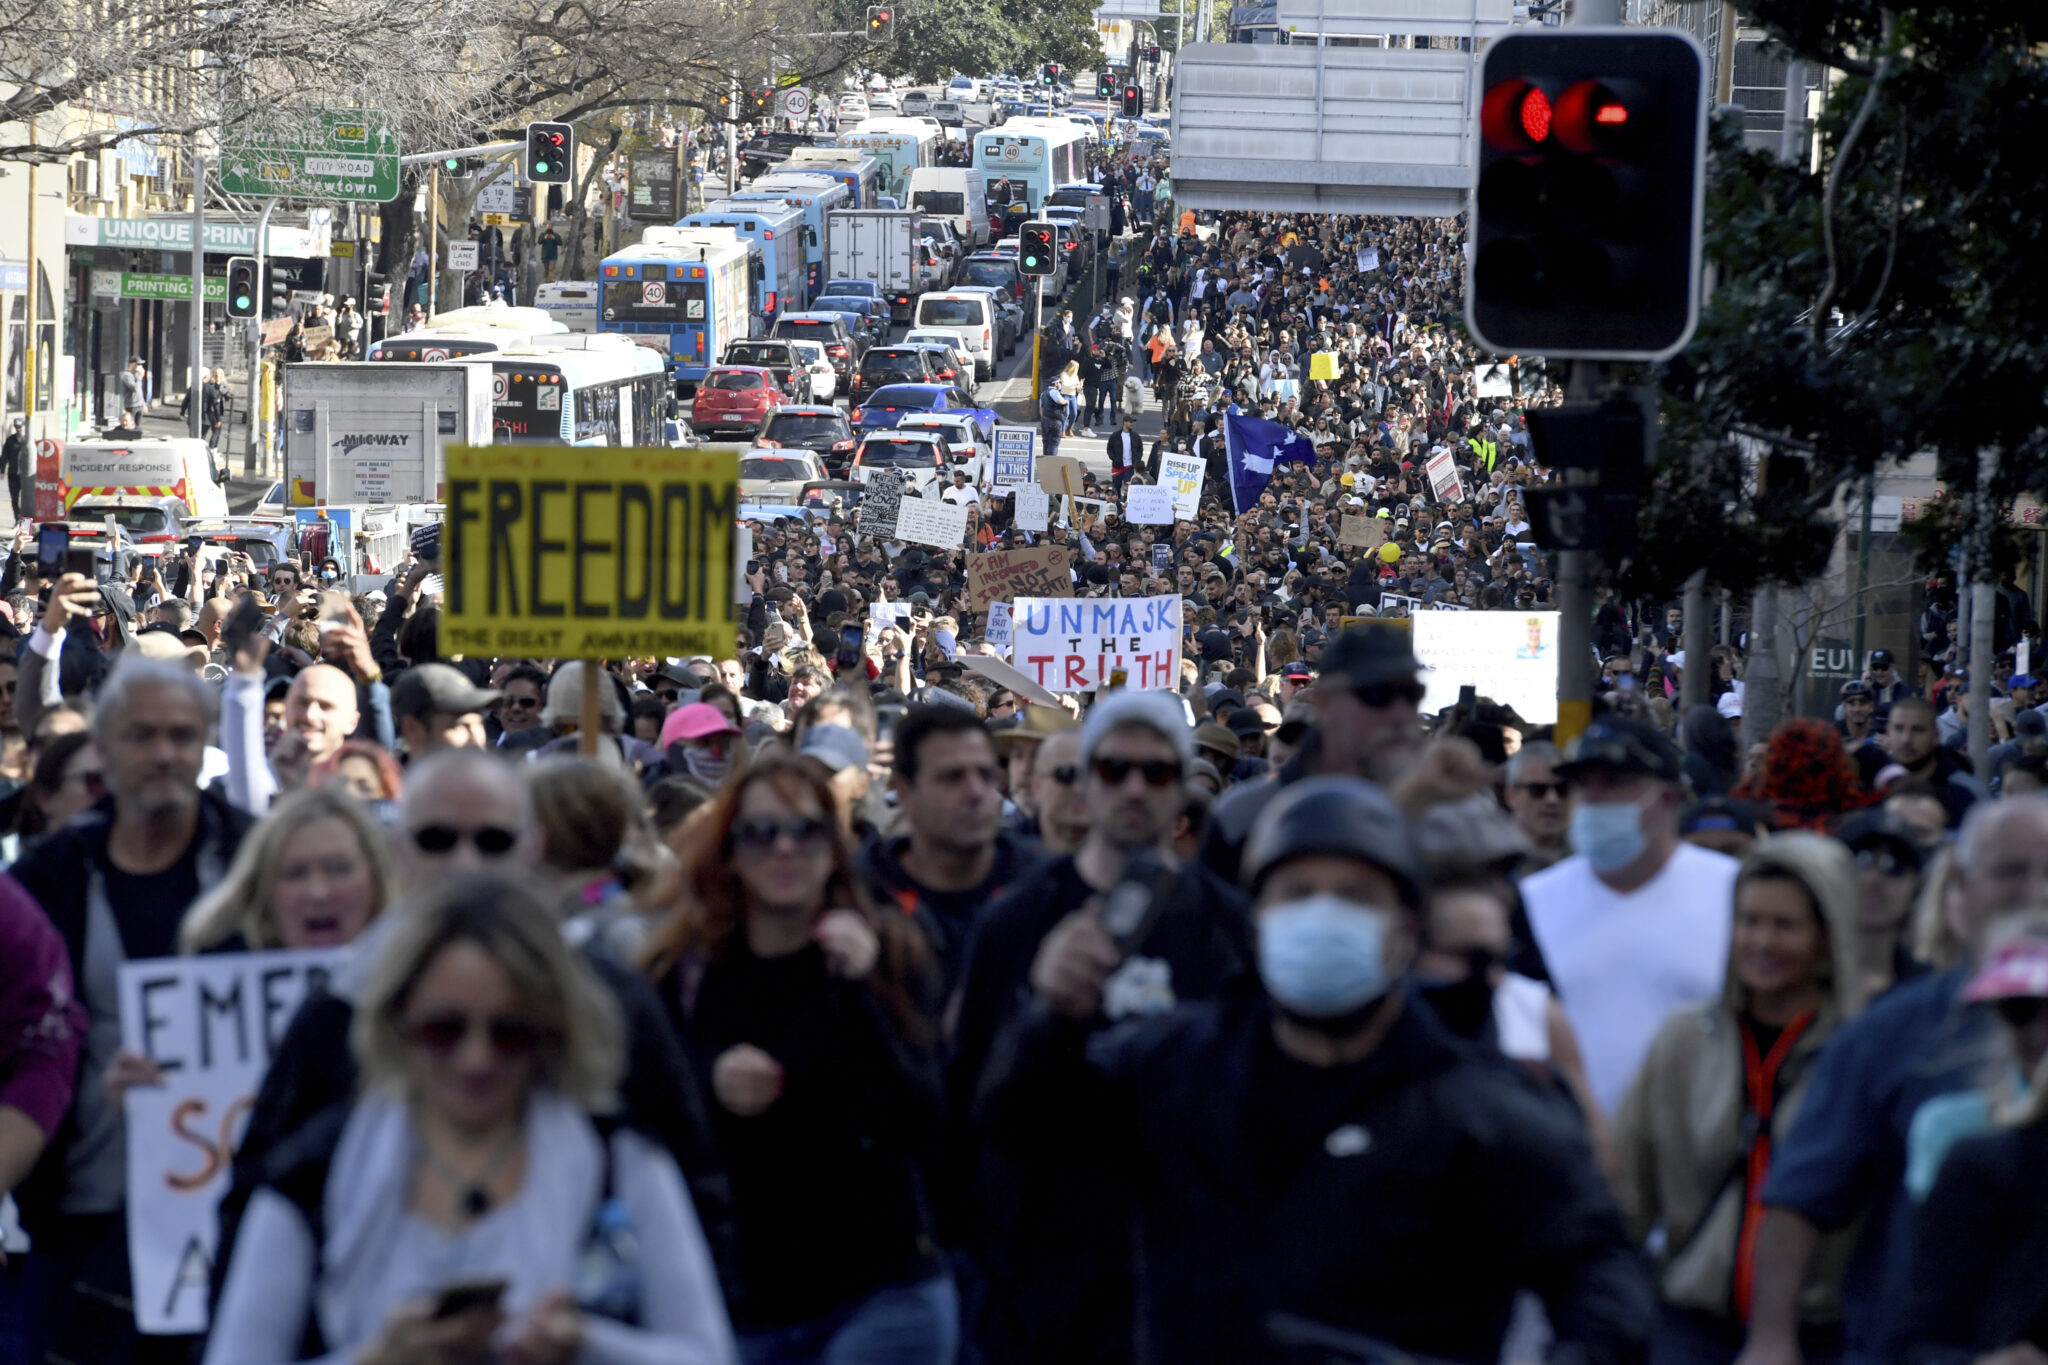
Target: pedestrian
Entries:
(134, 392)
(14, 458)
(1124, 449)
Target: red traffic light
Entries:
(1592, 117)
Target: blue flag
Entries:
(1254, 445)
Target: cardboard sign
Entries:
(880, 501)
(1322, 365)
(584, 552)
(998, 630)
(1510, 656)
(1006, 575)
(210, 1023)
(928, 521)
(1033, 508)
(312, 338)
(1076, 644)
(1058, 474)
(1148, 504)
(1443, 477)
(1367, 533)
(1002, 674)
(1016, 456)
(1183, 474)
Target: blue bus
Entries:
(686, 292)
(855, 169)
(817, 196)
(778, 230)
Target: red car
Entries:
(734, 398)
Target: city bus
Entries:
(778, 230)
(611, 395)
(573, 303)
(899, 146)
(1034, 155)
(851, 167)
(685, 292)
(467, 331)
(817, 196)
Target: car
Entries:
(920, 456)
(881, 101)
(960, 88)
(852, 104)
(966, 444)
(854, 319)
(1075, 239)
(866, 289)
(779, 476)
(1009, 315)
(891, 403)
(873, 312)
(949, 113)
(775, 354)
(817, 427)
(271, 504)
(949, 353)
(824, 384)
(734, 398)
(831, 329)
(917, 102)
(892, 365)
(945, 239)
(994, 272)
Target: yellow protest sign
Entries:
(589, 552)
(1322, 365)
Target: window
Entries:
(934, 201)
(669, 301)
(899, 454)
(733, 379)
(597, 414)
(793, 428)
(950, 313)
(773, 467)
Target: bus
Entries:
(681, 294)
(1034, 155)
(851, 167)
(614, 395)
(817, 196)
(900, 146)
(573, 303)
(467, 331)
(778, 230)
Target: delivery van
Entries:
(149, 472)
(958, 193)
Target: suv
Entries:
(892, 365)
(994, 272)
(817, 427)
(734, 398)
(842, 348)
(1009, 315)
(778, 357)
(949, 113)
(917, 102)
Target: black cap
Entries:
(1855, 687)
(1345, 816)
(1370, 654)
(1879, 657)
(1879, 828)
(1621, 745)
(438, 687)
(1244, 721)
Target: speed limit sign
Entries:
(654, 292)
(796, 102)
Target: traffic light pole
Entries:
(252, 456)
(1037, 333)
(195, 407)
(1575, 597)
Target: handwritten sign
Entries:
(879, 502)
(998, 632)
(1148, 504)
(1367, 533)
(1033, 508)
(1016, 454)
(1076, 644)
(928, 521)
(1006, 575)
(1183, 474)
(210, 1024)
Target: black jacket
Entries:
(1404, 1198)
(1980, 1251)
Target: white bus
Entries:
(551, 395)
(573, 303)
(467, 331)
(1035, 155)
(900, 145)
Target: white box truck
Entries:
(377, 432)
(883, 245)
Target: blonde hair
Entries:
(1934, 942)
(240, 904)
(582, 1052)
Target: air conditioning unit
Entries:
(85, 177)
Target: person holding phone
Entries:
(467, 1205)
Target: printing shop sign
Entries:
(210, 1024)
(1078, 644)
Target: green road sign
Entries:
(121, 284)
(333, 154)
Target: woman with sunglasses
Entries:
(1722, 1083)
(1979, 1282)
(799, 1007)
(471, 1205)
(67, 779)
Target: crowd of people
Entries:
(838, 1004)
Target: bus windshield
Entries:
(669, 301)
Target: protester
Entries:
(311, 875)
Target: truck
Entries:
(148, 487)
(886, 247)
(377, 432)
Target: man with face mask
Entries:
(1324, 1153)
(1635, 923)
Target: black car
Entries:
(892, 365)
(822, 430)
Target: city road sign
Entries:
(796, 103)
(332, 154)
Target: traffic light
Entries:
(1037, 249)
(550, 153)
(1589, 190)
(761, 103)
(1134, 99)
(881, 23)
(1152, 53)
(1052, 73)
(725, 104)
(1105, 85)
(460, 167)
(245, 286)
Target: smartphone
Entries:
(51, 543)
(241, 626)
(463, 1295)
(194, 542)
(334, 609)
(852, 636)
(1134, 904)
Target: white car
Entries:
(882, 99)
(965, 448)
(919, 456)
(824, 379)
(853, 104)
(947, 336)
(777, 475)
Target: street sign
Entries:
(462, 255)
(653, 190)
(333, 154)
(796, 103)
(506, 196)
(121, 284)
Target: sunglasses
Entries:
(2020, 1011)
(510, 1038)
(803, 831)
(1380, 695)
(1157, 772)
(1883, 860)
(1540, 790)
(667, 695)
(522, 703)
(493, 841)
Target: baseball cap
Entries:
(1878, 828)
(1365, 655)
(1880, 658)
(1244, 722)
(1298, 671)
(836, 746)
(1624, 745)
(2021, 680)
(2017, 970)
(695, 721)
(438, 687)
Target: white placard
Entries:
(1148, 504)
(998, 631)
(1033, 507)
(372, 480)
(1183, 475)
(1510, 656)
(463, 255)
(1442, 468)
(1075, 644)
(211, 1024)
(1016, 452)
(884, 614)
(928, 521)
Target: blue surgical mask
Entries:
(1323, 956)
(1609, 833)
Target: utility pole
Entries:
(433, 245)
(1983, 615)
(732, 140)
(195, 405)
(1696, 682)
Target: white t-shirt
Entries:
(1622, 964)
